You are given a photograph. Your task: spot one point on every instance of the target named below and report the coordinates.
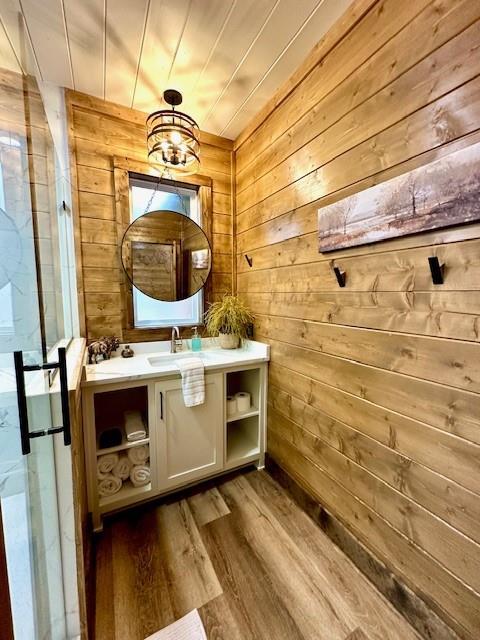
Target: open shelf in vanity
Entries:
(243, 423)
(110, 407)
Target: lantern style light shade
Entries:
(172, 137)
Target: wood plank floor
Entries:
(244, 554)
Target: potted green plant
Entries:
(229, 319)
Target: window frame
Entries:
(125, 169)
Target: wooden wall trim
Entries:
(123, 167)
(234, 224)
(76, 215)
(132, 165)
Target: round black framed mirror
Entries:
(166, 255)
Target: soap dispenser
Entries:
(196, 340)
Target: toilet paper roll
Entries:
(231, 405)
(243, 401)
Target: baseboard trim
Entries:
(410, 605)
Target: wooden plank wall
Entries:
(99, 131)
(374, 399)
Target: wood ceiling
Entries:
(226, 56)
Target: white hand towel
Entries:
(140, 475)
(134, 426)
(193, 381)
(122, 468)
(138, 455)
(109, 486)
(105, 464)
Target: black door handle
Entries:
(22, 402)
(25, 433)
(62, 361)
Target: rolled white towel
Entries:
(105, 464)
(122, 468)
(138, 455)
(140, 475)
(134, 426)
(109, 485)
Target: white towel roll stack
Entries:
(138, 455)
(109, 485)
(122, 468)
(140, 475)
(105, 464)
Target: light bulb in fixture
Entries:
(175, 137)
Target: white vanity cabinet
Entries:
(189, 440)
(185, 444)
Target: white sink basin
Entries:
(167, 359)
(162, 359)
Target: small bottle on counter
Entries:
(127, 352)
(196, 340)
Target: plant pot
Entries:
(228, 340)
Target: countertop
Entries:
(154, 360)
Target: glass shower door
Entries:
(28, 490)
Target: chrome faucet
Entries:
(176, 343)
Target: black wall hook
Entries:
(249, 260)
(341, 276)
(436, 269)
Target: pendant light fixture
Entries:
(172, 137)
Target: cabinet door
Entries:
(190, 439)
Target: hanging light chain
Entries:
(166, 175)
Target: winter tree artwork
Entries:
(444, 193)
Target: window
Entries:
(148, 312)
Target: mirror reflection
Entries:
(166, 255)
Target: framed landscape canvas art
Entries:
(441, 194)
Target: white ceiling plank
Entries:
(14, 27)
(201, 32)
(243, 27)
(125, 25)
(46, 27)
(237, 75)
(165, 25)
(18, 36)
(85, 30)
(227, 57)
(8, 59)
(329, 11)
(282, 26)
